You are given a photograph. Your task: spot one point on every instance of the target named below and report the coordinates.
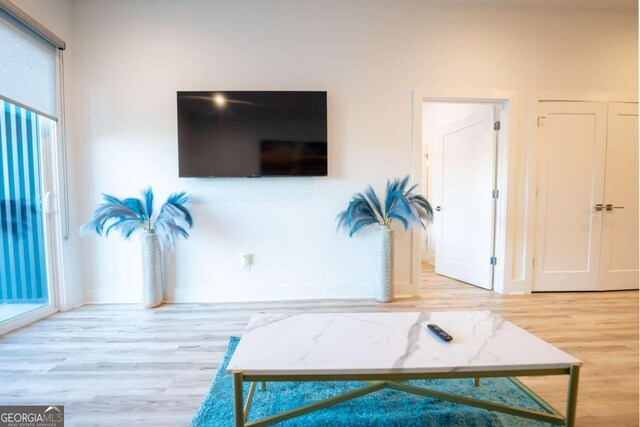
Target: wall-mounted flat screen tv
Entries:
(252, 134)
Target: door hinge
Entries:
(496, 125)
(541, 117)
(495, 194)
(533, 262)
(493, 260)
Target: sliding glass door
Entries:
(32, 169)
(24, 228)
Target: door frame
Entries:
(533, 137)
(507, 100)
(51, 230)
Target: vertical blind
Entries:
(27, 67)
(22, 244)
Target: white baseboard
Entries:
(266, 294)
(75, 300)
(403, 290)
(113, 295)
(514, 287)
(130, 295)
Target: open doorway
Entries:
(460, 146)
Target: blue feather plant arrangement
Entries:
(132, 214)
(129, 215)
(401, 204)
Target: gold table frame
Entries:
(375, 382)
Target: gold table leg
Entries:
(572, 398)
(238, 399)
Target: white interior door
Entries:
(619, 255)
(571, 160)
(463, 182)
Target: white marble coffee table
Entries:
(384, 349)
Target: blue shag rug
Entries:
(382, 408)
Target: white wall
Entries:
(132, 56)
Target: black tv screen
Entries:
(251, 134)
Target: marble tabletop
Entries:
(389, 342)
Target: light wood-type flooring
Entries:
(123, 365)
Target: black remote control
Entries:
(440, 332)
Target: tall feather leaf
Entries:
(147, 195)
(111, 211)
(136, 206)
(404, 221)
(362, 210)
(361, 224)
(173, 212)
(373, 200)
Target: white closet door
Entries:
(464, 178)
(619, 256)
(571, 160)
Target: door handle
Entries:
(47, 206)
(438, 208)
(599, 207)
(610, 207)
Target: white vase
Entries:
(151, 270)
(384, 285)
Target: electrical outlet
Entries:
(247, 261)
